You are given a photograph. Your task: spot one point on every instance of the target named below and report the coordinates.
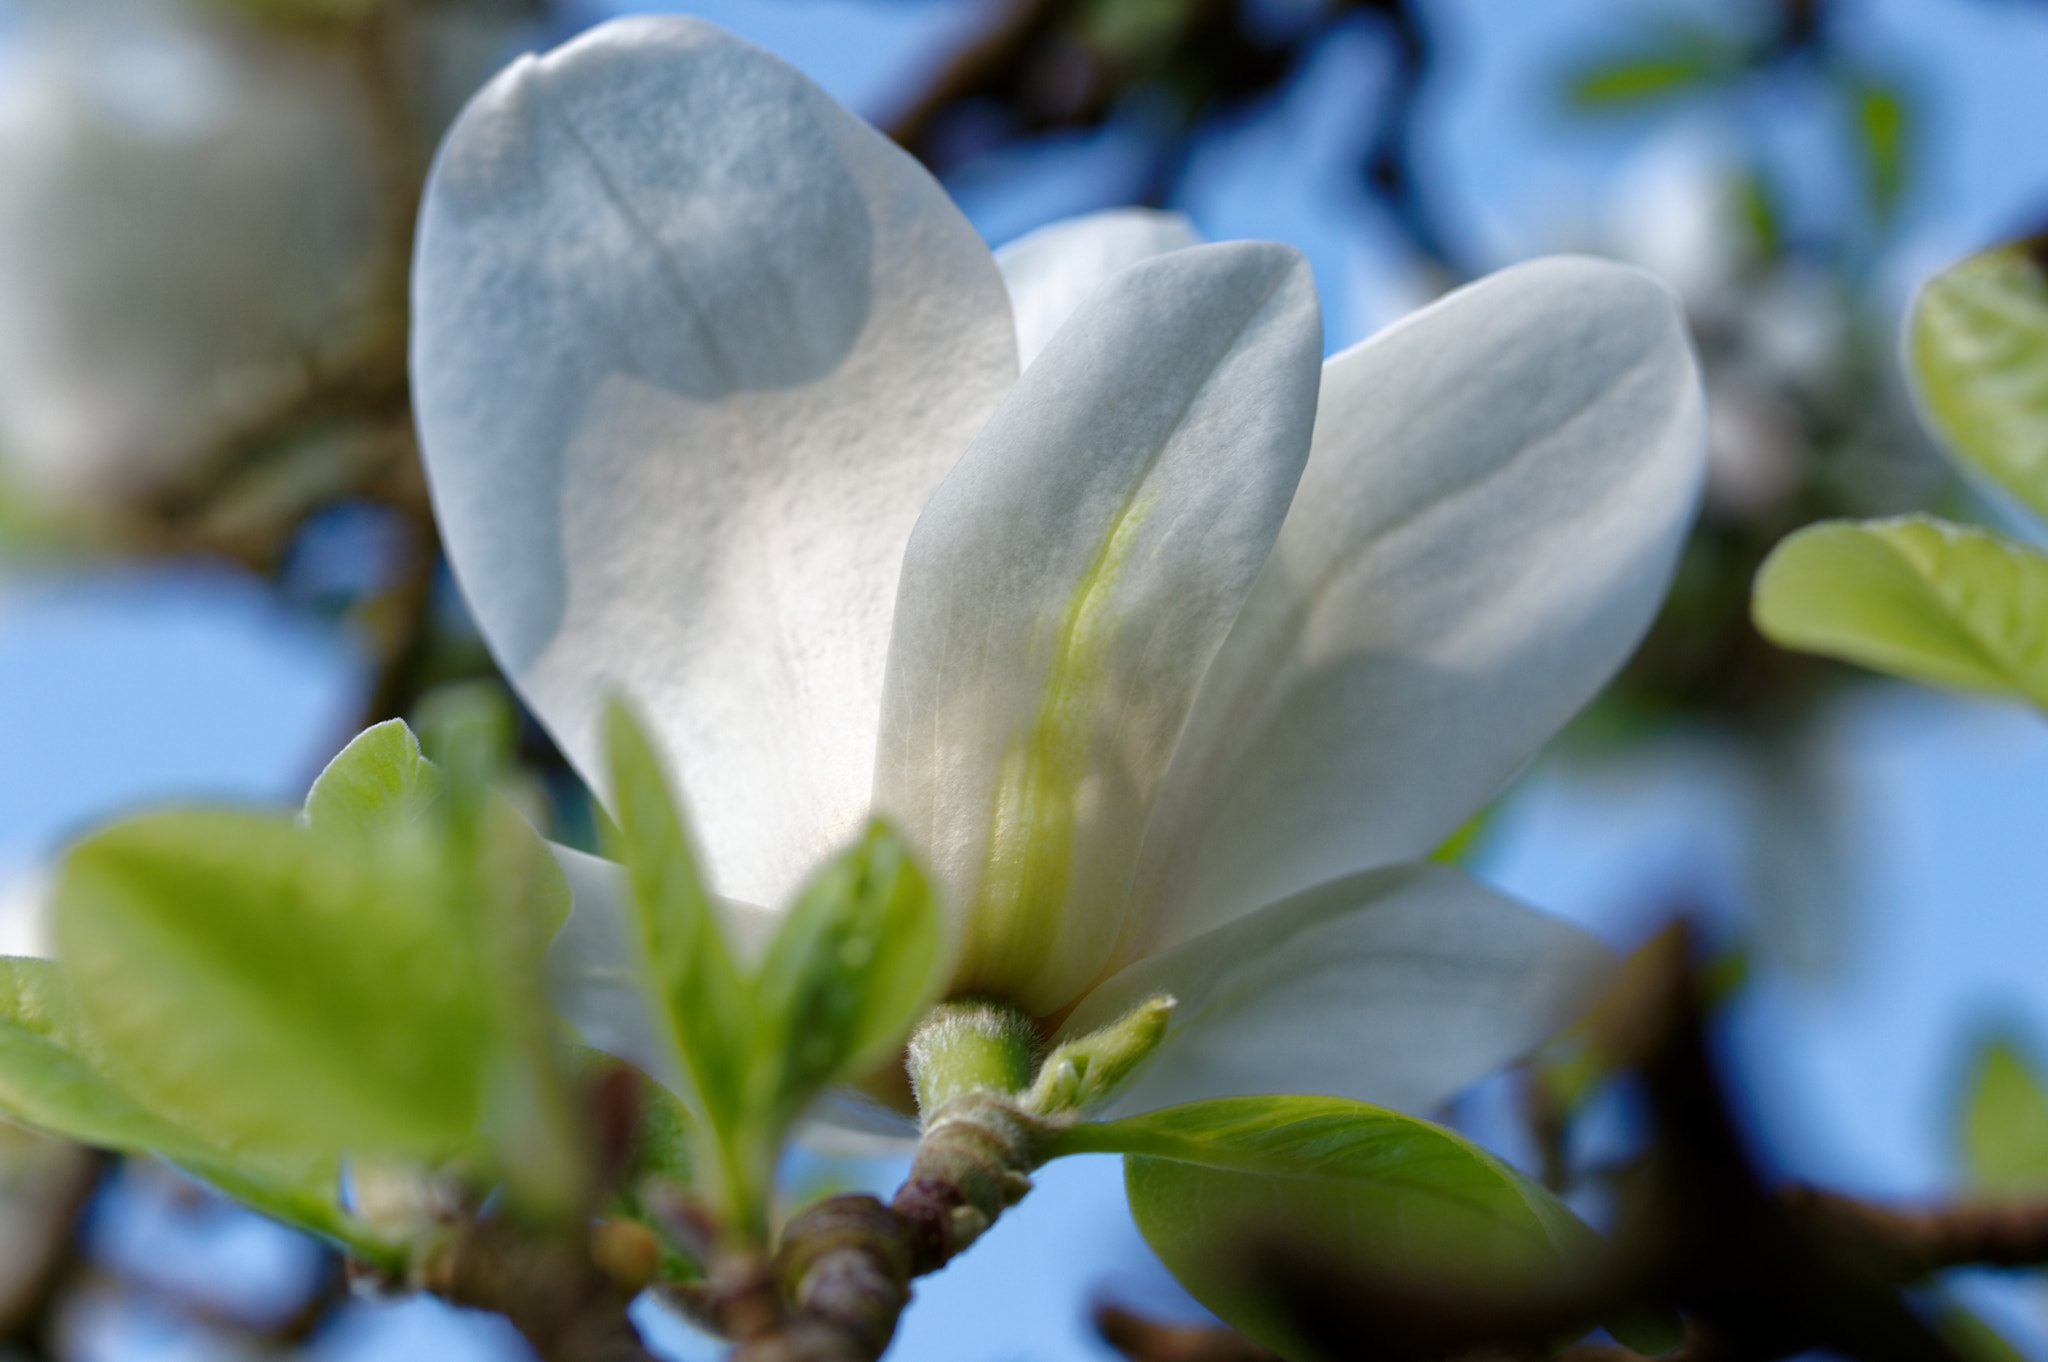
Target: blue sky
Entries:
(120, 688)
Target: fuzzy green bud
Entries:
(970, 1045)
(1085, 1073)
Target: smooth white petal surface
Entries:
(692, 345)
(595, 972)
(1066, 587)
(1498, 489)
(1397, 987)
(1052, 271)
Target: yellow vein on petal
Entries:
(1028, 866)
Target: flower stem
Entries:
(845, 1264)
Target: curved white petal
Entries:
(692, 345)
(1397, 987)
(1066, 587)
(1053, 270)
(594, 969)
(1498, 489)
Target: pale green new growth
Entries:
(1978, 346)
(1083, 1074)
(1916, 597)
(379, 781)
(365, 979)
(967, 1045)
(50, 1080)
(854, 960)
(2005, 1122)
(260, 981)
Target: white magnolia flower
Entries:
(1171, 655)
(193, 212)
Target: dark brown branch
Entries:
(549, 1286)
(1144, 1340)
(841, 1277)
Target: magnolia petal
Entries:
(1067, 586)
(1498, 489)
(1053, 270)
(595, 974)
(1397, 987)
(692, 345)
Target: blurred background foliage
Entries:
(205, 225)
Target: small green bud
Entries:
(970, 1045)
(1083, 1074)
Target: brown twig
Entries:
(1144, 1340)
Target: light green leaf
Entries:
(507, 897)
(378, 781)
(855, 961)
(703, 996)
(1978, 349)
(261, 982)
(1211, 1182)
(1916, 597)
(2005, 1122)
(852, 965)
(48, 1081)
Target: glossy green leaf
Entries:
(1211, 1184)
(2005, 1122)
(856, 960)
(1978, 350)
(379, 781)
(261, 982)
(703, 996)
(1915, 597)
(49, 1081)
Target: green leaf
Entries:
(703, 996)
(508, 899)
(379, 781)
(1637, 80)
(1977, 345)
(48, 1081)
(1916, 597)
(1883, 121)
(261, 982)
(1212, 1183)
(2005, 1122)
(854, 963)
(1680, 60)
